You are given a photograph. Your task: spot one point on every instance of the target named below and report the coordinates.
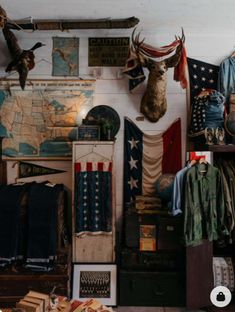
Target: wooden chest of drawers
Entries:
(15, 285)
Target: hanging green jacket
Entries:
(204, 208)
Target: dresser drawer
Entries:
(19, 285)
(151, 289)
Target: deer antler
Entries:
(136, 43)
(136, 40)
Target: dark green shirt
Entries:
(204, 209)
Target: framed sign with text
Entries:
(109, 51)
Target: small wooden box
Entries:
(88, 133)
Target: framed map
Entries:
(65, 56)
(41, 120)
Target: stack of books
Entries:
(92, 305)
(148, 205)
(34, 302)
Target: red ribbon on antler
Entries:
(180, 69)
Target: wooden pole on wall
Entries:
(105, 23)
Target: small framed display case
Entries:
(88, 133)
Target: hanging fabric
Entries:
(93, 199)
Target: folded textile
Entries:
(42, 220)
(10, 225)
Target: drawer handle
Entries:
(132, 284)
(158, 293)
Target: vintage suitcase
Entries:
(170, 233)
(168, 230)
(133, 221)
(151, 288)
(133, 259)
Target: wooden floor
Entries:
(152, 309)
(140, 309)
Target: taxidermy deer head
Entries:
(153, 103)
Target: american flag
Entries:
(202, 76)
(146, 157)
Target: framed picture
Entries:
(96, 281)
(88, 133)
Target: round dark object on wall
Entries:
(107, 118)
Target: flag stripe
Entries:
(172, 155)
(152, 162)
(93, 166)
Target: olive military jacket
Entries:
(204, 208)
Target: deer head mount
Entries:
(153, 103)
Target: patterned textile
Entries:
(93, 197)
(146, 157)
(134, 70)
(206, 111)
(223, 272)
(198, 115)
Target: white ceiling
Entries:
(207, 16)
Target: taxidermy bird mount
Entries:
(3, 17)
(22, 60)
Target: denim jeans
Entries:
(214, 110)
(10, 225)
(42, 232)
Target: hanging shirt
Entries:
(226, 78)
(178, 191)
(204, 209)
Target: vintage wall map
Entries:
(65, 56)
(41, 121)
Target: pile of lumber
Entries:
(92, 305)
(39, 302)
(34, 302)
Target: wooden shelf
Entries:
(230, 148)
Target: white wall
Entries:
(210, 36)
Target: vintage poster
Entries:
(148, 237)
